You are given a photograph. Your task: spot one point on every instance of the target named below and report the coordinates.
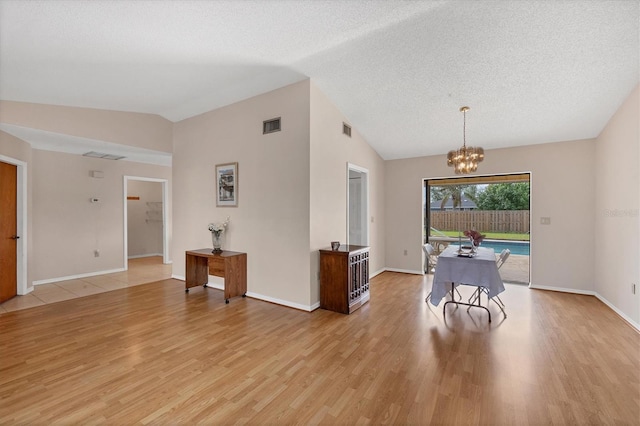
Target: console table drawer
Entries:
(216, 266)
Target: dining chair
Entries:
(430, 262)
(502, 258)
(430, 258)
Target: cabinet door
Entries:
(365, 273)
(357, 276)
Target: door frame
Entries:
(426, 220)
(364, 200)
(21, 207)
(165, 211)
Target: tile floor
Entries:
(140, 271)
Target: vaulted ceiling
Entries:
(531, 71)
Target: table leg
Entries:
(444, 309)
(196, 271)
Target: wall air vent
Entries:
(270, 126)
(102, 155)
(346, 129)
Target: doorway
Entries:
(357, 205)
(497, 206)
(13, 229)
(147, 209)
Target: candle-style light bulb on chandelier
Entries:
(465, 160)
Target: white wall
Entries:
(562, 188)
(292, 188)
(330, 152)
(271, 222)
(144, 218)
(128, 128)
(67, 227)
(63, 228)
(617, 229)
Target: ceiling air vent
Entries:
(346, 129)
(270, 126)
(103, 155)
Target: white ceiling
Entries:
(531, 71)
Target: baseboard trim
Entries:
(78, 276)
(378, 272)
(563, 289)
(404, 271)
(138, 256)
(299, 306)
(611, 306)
(29, 290)
(618, 311)
(286, 303)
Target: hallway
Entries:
(141, 271)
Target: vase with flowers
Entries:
(475, 238)
(217, 231)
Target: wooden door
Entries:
(8, 231)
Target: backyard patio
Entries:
(516, 269)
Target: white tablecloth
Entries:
(480, 270)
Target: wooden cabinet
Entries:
(344, 278)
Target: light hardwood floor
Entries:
(154, 354)
(139, 271)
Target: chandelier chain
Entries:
(464, 128)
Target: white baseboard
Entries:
(378, 272)
(619, 312)
(404, 271)
(29, 290)
(138, 256)
(220, 286)
(214, 285)
(306, 308)
(591, 293)
(75, 277)
(563, 289)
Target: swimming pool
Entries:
(516, 247)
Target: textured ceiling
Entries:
(532, 71)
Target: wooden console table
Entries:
(230, 265)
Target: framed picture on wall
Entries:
(227, 185)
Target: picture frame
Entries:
(227, 185)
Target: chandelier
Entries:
(465, 160)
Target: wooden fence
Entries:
(482, 220)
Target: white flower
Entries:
(219, 227)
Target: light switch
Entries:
(545, 221)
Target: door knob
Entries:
(15, 237)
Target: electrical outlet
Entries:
(545, 221)
(405, 252)
(96, 253)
